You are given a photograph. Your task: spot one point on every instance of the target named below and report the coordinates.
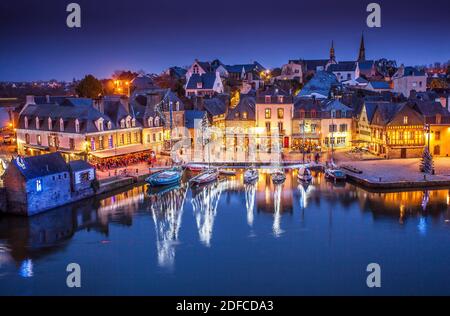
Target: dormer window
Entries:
(61, 125)
(128, 122)
(244, 115)
(77, 126)
(133, 122)
(199, 85)
(405, 120)
(268, 98)
(280, 99)
(50, 125)
(195, 69)
(150, 122)
(25, 122)
(100, 125)
(177, 106)
(109, 125)
(156, 121)
(122, 123)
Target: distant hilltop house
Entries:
(39, 183)
(407, 79)
(202, 77)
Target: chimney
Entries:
(30, 100)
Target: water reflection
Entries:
(167, 210)
(205, 200)
(24, 242)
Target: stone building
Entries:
(39, 183)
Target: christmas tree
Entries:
(426, 164)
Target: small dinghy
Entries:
(194, 167)
(251, 175)
(227, 172)
(304, 174)
(278, 177)
(335, 174)
(165, 177)
(206, 176)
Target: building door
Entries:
(403, 153)
(286, 142)
(437, 150)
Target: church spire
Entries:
(332, 54)
(362, 49)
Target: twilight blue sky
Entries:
(35, 42)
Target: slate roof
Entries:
(306, 105)
(257, 67)
(371, 107)
(246, 104)
(380, 85)
(41, 165)
(86, 115)
(191, 115)
(342, 66)
(387, 111)
(313, 64)
(214, 106)
(335, 105)
(321, 83)
(142, 82)
(79, 165)
(428, 108)
(366, 65)
(207, 80)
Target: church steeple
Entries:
(332, 54)
(362, 50)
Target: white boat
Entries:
(206, 176)
(278, 177)
(227, 172)
(251, 175)
(304, 174)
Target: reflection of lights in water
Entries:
(425, 199)
(204, 206)
(121, 203)
(250, 193)
(422, 226)
(26, 269)
(167, 210)
(304, 194)
(276, 215)
(402, 213)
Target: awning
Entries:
(120, 151)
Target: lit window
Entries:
(77, 126)
(150, 122)
(268, 113)
(61, 125)
(50, 125)
(133, 122)
(280, 113)
(37, 123)
(38, 185)
(405, 120)
(26, 122)
(244, 115)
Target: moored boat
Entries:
(335, 174)
(195, 167)
(206, 176)
(278, 177)
(304, 174)
(227, 172)
(251, 175)
(165, 177)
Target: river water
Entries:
(234, 239)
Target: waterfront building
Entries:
(35, 184)
(293, 70)
(363, 118)
(240, 123)
(274, 112)
(336, 125)
(306, 124)
(217, 108)
(407, 79)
